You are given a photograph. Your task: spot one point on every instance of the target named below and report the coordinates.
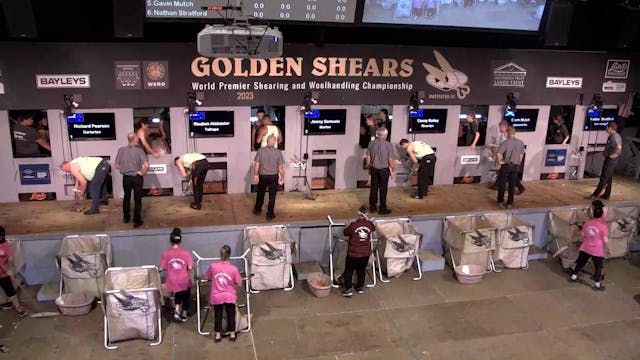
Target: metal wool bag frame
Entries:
(200, 282)
(287, 264)
(407, 228)
(156, 290)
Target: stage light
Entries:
(310, 98)
(596, 102)
(511, 103)
(415, 100)
(194, 99)
(71, 102)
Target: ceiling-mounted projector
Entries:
(240, 41)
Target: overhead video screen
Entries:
(342, 11)
(325, 122)
(425, 121)
(599, 119)
(91, 126)
(524, 120)
(486, 14)
(205, 124)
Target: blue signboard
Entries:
(34, 174)
(199, 115)
(556, 157)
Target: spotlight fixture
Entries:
(194, 99)
(596, 102)
(511, 103)
(415, 100)
(71, 102)
(310, 98)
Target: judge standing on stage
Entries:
(133, 164)
(612, 151)
(380, 160)
(510, 155)
(268, 173)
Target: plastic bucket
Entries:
(469, 274)
(74, 304)
(319, 284)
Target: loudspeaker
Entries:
(128, 18)
(19, 18)
(629, 28)
(558, 26)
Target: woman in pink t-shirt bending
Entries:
(178, 262)
(594, 238)
(224, 279)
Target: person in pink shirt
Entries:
(6, 275)
(178, 262)
(224, 278)
(594, 238)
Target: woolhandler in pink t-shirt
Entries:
(594, 238)
(224, 278)
(178, 262)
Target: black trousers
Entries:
(198, 173)
(583, 257)
(606, 177)
(98, 185)
(357, 264)
(508, 174)
(518, 183)
(231, 317)
(265, 182)
(132, 183)
(425, 167)
(183, 298)
(379, 186)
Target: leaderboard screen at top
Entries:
(338, 11)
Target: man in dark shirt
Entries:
(368, 131)
(472, 135)
(558, 133)
(380, 161)
(27, 138)
(385, 121)
(359, 251)
(268, 173)
(510, 154)
(132, 162)
(611, 153)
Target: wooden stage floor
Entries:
(167, 212)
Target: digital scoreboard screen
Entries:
(425, 121)
(91, 126)
(339, 11)
(523, 120)
(203, 124)
(325, 122)
(599, 119)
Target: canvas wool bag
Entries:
(398, 253)
(133, 314)
(270, 257)
(83, 259)
(470, 240)
(622, 228)
(513, 240)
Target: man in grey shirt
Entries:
(27, 138)
(268, 173)
(132, 162)
(611, 153)
(510, 154)
(380, 161)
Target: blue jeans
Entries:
(98, 185)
